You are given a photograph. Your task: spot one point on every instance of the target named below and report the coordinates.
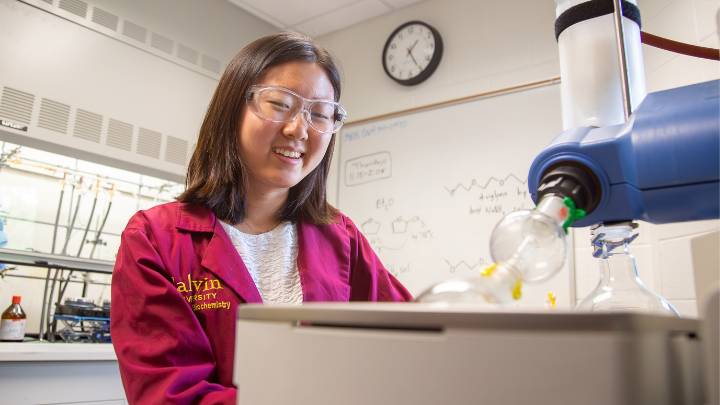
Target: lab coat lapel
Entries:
(320, 272)
(221, 259)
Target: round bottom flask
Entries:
(527, 246)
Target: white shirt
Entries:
(271, 259)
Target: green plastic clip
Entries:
(574, 214)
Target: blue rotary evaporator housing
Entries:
(661, 166)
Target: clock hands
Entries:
(409, 52)
(413, 46)
(413, 59)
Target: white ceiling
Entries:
(318, 17)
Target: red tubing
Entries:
(679, 47)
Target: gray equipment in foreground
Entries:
(417, 354)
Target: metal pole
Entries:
(622, 59)
(41, 332)
(57, 212)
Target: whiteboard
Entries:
(427, 188)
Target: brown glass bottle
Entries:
(12, 322)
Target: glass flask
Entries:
(620, 287)
(526, 246)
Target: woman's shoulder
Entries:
(341, 224)
(171, 215)
(343, 220)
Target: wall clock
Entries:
(412, 53)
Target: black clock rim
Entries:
(434, 61)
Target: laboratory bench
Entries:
(59, 373)
(44, 351)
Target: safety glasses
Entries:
(278, 104)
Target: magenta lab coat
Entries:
(178, 281)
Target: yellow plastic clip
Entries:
(489, 270)
(517, 290)
(551, 300)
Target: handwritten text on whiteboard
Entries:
(372, 130)
(368, 168)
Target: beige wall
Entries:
(509, 43)
(485, 48)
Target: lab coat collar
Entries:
(195, 218)
(311, 245)
(220, 256)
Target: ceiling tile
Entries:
(343, 17)
(396, 4)
(258, 13)
(289, 13)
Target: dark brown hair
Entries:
(216, 176)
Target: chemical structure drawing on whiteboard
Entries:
(463, 265)
(496, 196)
(395, 234)
(413, 228)
(370, 227)
(400, 225)
(489, 182)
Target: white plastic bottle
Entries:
(591, 91)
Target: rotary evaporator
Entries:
(624, 155)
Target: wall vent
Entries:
(149, 143)
(119, 135)
(53, 115)
(77, 7)
(187, 54)
(201, 63)
(105, 19)
(162, 43)
(134, 31)
(16, 105)
(88, 126)
(176, 150)
(210, 63)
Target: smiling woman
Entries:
(280, 152)
(252, 226)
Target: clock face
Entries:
(412, 52)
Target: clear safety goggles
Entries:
(278, 104)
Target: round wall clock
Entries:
(412, 53)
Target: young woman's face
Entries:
(278, 155)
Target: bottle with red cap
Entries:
(12, 322)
